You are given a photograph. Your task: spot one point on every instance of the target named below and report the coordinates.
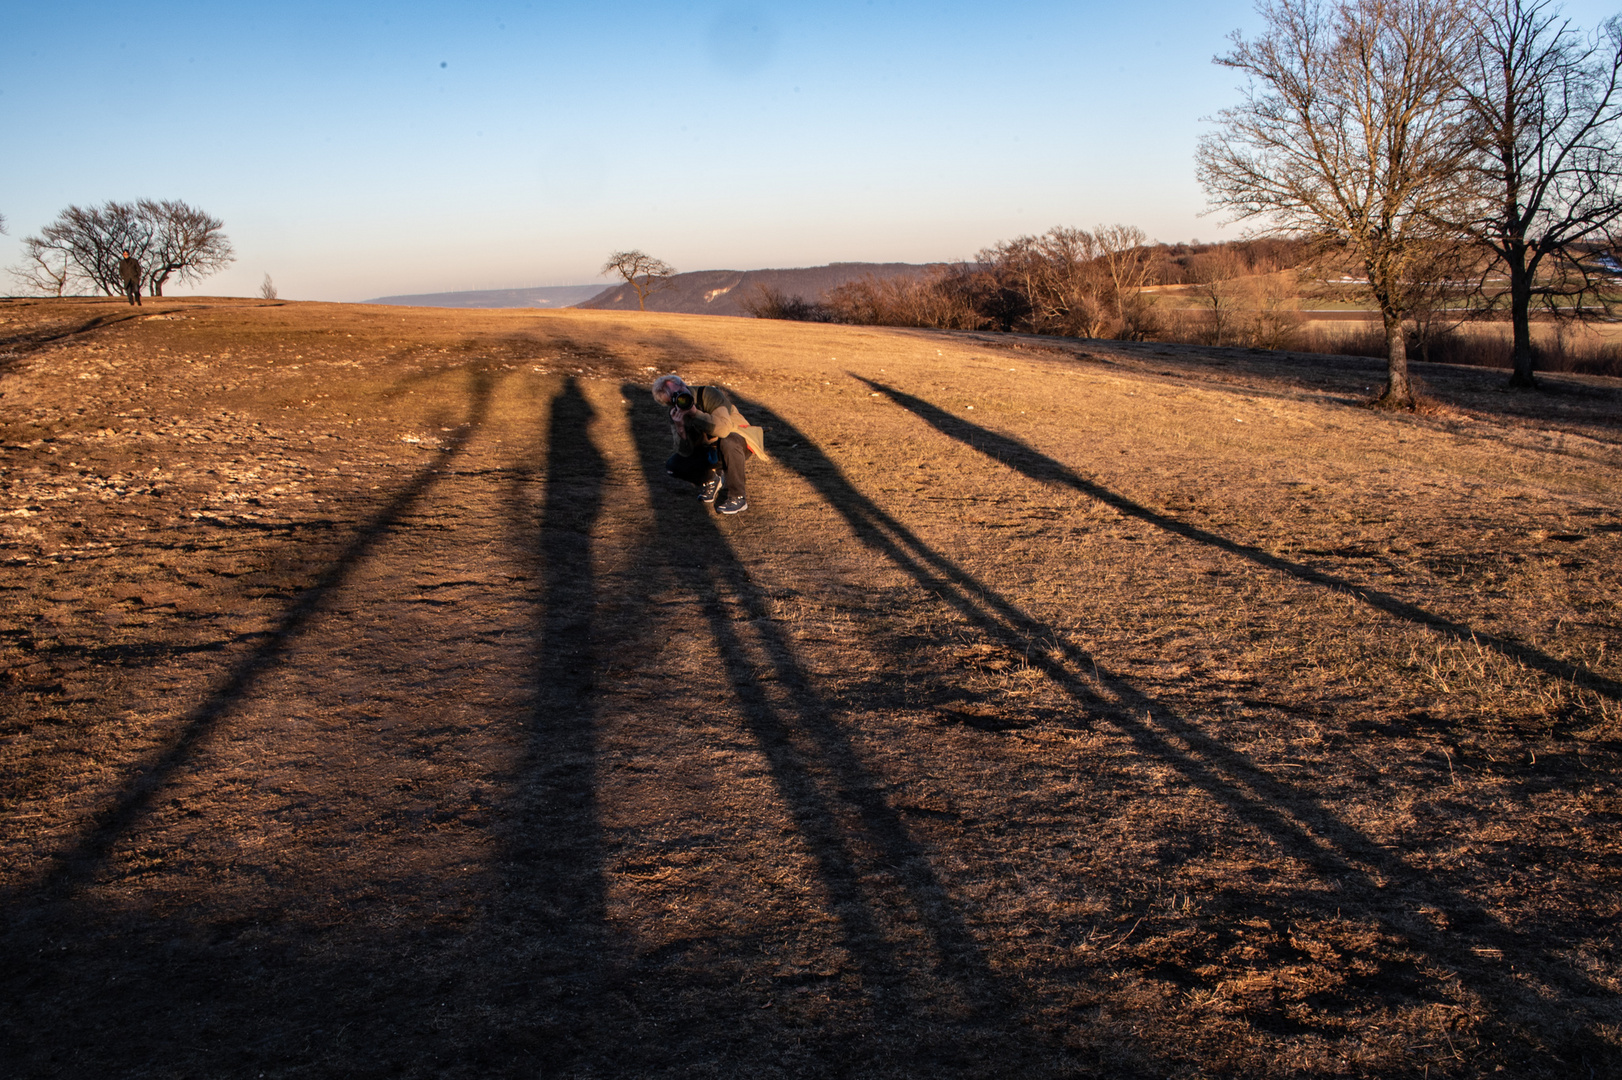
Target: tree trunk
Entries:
(1398, 394)
(1520, 317)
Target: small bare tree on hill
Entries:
(641, 272)
(1349, 131)
(45, 270)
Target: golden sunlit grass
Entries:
(376, 705)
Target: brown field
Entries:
(375, 706)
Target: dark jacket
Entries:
(129, 271)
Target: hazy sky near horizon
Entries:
(360, 150)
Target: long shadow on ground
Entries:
(1009, 451)
(559, 967)
(934, 1005)
(102, 987)
(1357, 871)
(19, 344)
(147, 778)
(1560, 399)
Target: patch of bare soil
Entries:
(374, 705)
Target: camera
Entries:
(682, 399)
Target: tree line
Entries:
(1448, 154)
(1065, 282)
(1426, 140)
(82, 248)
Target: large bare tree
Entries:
(92, 239)
(1348, 131)
(167, 237)
(185, 243)
(641, 272)
(1545, 102)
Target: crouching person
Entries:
(713, 441)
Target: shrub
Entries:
(765, 302)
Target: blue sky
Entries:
(362, 150)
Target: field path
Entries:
(377, 706)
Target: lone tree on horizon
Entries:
(169, 238)
(641, 272)
(1349, 131)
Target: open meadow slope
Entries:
(374, 705)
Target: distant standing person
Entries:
(129, 272)
(713, 441)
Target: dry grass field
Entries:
(374, 705)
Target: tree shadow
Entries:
(1350, 378)
(1009, 451)
(17, 345)
(1361, 874)
(118, 817)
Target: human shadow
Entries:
(873, 871)
(1017, 455)
(551, 861)
(1364, 875)
(107, 826)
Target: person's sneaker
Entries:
(735, 505)
(708, 489)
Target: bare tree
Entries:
(1016, 264)
(1217, 283)
(168, 238)
(1276, 318)
(1544, 103)
(92, 240)
(641, 272)
(45, 270)
(1059, 277)
(1073, 289)
(1123, 251)
(267, 288)
(1348, 131)
(185, 242)
(946, 296)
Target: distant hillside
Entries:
(550, 296)
(722, 292)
